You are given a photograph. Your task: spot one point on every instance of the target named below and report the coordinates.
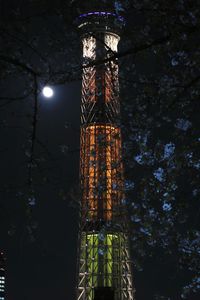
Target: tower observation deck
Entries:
(104, 270)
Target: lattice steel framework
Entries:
(104, 262)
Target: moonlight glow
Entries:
(47, 92)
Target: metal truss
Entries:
(104, 260)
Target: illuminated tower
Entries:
(104, 262)
(2, 276)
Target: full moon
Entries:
(47, 92)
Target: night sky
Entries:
(43, 264)
(44, 267)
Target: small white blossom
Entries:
(159, 174)
(183, 124)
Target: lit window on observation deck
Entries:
(89, 73)
(111, 75)
(89, 47)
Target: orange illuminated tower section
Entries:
(104, 264)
